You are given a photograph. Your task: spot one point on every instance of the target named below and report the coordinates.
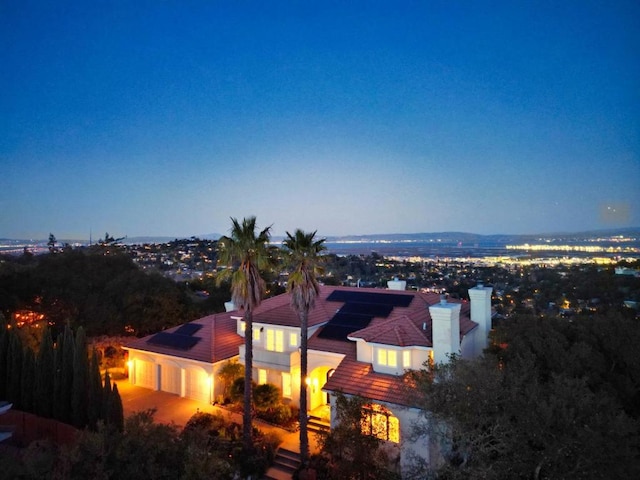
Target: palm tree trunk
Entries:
(248, 374)
(304, 435)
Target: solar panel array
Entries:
(373, 309)
(188, 329)
(358, 310)
(393, 299)
(181, 339)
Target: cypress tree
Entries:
(94, 391)
(57, 377)
(116, 411)
(66, 377)
(27, 382)
(4, 357)
(80, 381)
(45, 375)
(106, 398)
(14, 372)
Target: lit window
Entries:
(393, 431)
(293, 339)
(382, 356)
(380, 422)
(256, 334)
(387, 357)
(275, 340)
(392, 358)
(286, 385)
(406, 358)
(243, 326)
(262, 376)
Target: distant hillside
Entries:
(467, 238)
(441, 237)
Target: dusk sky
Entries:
(166, 118)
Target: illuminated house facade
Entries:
(361, 341)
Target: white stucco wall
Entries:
(207, 373)
(408, 446)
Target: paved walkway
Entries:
(172, 408)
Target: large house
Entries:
(361, 341)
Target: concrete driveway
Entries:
(172, 408)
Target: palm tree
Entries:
(245, 254)
(303, 258)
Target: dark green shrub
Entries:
(282, 415)
(236, 392)
(266, 396)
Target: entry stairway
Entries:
(287, 461)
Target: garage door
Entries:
(170, 379)
(144, 374)
(197, 385)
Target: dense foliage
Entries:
(104, 293)
(553, 398)
(61, 381)
(209, 447)
(346, 453)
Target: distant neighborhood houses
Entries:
(361, 341)
(627, 271)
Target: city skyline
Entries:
(167, 119)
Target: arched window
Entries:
(380, 422)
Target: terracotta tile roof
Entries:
(405, 326)
(277, 311)
(358, 378)
(218, 340)
(329, 345)
(400, 331)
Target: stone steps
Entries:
(285, 463)
(316, 424)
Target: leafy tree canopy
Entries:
(551, 399)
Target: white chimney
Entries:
(229, 306)
(480, 297)
(396, 284)
(445, 330)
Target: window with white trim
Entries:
(286, 385)
(256, 334)
(387, 357)
(262, 376)
(406, 358)
(293, 339)
(275, 340)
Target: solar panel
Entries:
(359, 309)
(188, 329)
(174, 340)
(342, 324)
(336, 332)
(351, 320)
(373, 309)
(393, 299)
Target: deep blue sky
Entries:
(169, 117)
